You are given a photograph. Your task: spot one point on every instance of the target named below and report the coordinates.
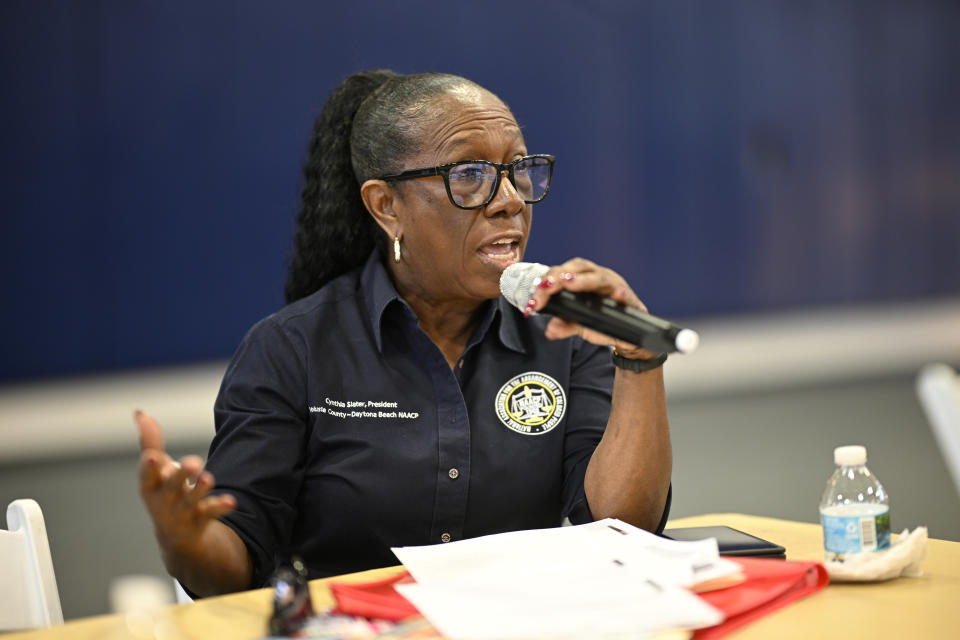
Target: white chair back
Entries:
(938, 387)
(28, 589)
(182, 596)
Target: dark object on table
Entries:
(732, 542)
(292, 606)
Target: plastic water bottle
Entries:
(854, 509)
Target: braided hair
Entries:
(368, 126)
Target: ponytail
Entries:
(334, 231)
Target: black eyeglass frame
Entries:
(444, 171)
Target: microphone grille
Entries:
(518, 281)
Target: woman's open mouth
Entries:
(501, 253)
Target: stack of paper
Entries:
(606, 578)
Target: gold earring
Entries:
(396, 248)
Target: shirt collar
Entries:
(379, 294)
(509, 327)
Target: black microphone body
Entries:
(615, 320)
(602, 314)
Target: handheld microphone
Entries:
(520, 280)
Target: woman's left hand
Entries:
(582, 275)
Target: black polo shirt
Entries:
(342, 431)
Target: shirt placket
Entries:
(453, 470)
(453, 448)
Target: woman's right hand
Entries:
(176, 493)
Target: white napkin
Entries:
(905, 557)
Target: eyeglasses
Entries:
(471, 184)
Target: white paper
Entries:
(576, 611)
(600, 579)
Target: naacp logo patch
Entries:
(531, 403)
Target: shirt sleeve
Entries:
(258, 452)
(590, 389)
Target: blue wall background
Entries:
(726, 157)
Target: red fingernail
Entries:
(566, 275)
(546, 282)
(531, 303)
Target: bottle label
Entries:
(844, 534)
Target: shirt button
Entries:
(453, 419)
(460, 364)
(453, 473)
(445, 537)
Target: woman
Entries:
(398, 400)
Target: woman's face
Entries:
(451, 253)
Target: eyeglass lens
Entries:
(472, 183)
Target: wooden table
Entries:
(926, 607)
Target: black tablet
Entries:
(732, 542)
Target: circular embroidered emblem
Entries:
(531, 403)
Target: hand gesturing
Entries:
(176, 493)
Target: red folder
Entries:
(373, 600)
(769, 585)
